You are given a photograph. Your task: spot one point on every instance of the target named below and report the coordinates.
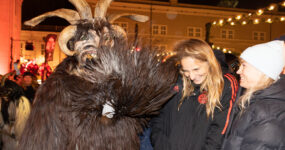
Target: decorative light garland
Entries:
(224, 50)
(253, 18)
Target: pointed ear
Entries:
(135, 17)
(68, 14)
(119, 31)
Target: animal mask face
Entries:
(84, 25)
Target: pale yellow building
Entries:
(171, 22)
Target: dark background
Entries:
(33, 8)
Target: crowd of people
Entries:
(27, 81)
(216, 106)
(220, 105)
(17, 92)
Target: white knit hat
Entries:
(267, 58)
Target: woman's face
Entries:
(249, 75)
(194, 69)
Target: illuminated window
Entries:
(227, 34)
(159, 29)
(194, 32)
(258, 36)
(29, 46)
(160, 47)
(124, 25)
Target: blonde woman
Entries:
(258, 117)
(196, 118)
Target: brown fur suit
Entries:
(100, 73)
(67, 112)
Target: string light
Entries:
(271, 7)
(259, 12)
(224, 50)
(269, 20)
(238, 17)
(283, 4)
(256, 21)
(249, 17)
(221, 22)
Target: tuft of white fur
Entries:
(22, 114)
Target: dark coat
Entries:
(262, 125)
(30, 93)
(189, 128)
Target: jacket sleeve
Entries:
(264, 136)
(159, 139)
(220, 121)
(160, 124)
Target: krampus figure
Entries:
(102, 94)
(14, 112)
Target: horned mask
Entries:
(96, 26)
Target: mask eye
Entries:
(89, 47)
(84, 37)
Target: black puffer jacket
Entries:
(189, 128)
(262, 125)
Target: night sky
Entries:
(33, 8)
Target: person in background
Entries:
(11, 75)
(29, 86)
(257, 121)
(196, 117)
(18, 79)
(16, 67)
(14, 112)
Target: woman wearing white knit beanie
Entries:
(258, 117)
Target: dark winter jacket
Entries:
(189, 128)
(30, 93)
(262, 125)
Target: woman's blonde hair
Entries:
(263, 83)
(214, 82)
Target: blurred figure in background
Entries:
(14, 111)
(18, 79)
(29, 85)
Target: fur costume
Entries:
(14, 112)
(102, 95)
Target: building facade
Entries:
(171, 22)
(10, 28)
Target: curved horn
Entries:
(101, 8)
(119, 31)
(135, 17)
(65, 35)
(68, 14)
(83, 9)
